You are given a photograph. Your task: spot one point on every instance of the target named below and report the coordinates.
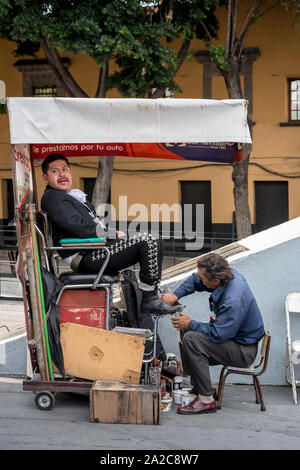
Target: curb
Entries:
(9, 384)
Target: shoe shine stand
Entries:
(138, 127)
(148, 335)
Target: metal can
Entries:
(166, 403)
(163, 387)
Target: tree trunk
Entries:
(105, 167)
(240, 192)
(63, 75)
(240, 170)
(181, 56)
(105, 164)
(103, 181)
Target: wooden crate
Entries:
(116, 402)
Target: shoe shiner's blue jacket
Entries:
(234, 312)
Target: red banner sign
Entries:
(222, 152)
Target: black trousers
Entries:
(198, 353)
(143, 249)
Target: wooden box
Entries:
(115, 402)
(93, 354)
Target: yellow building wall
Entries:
(275, 148)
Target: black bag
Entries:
(51, 288)
(133, 299)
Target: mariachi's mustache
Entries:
(60, 180)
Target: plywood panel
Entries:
(91, 353)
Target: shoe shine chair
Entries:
(87, 299)
(292, 306)
(84, 298)
(254, 371)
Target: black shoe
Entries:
(151, 303)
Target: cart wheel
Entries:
(44, 400)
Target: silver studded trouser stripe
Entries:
(143, 248)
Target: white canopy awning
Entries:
(92, 120)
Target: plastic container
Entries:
(177, 383)
(177, 396)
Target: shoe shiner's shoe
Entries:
(151, 303)
(197, 407)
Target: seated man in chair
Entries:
(232, 334)
(72, 216)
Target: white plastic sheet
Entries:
(91, 120)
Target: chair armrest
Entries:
(64, 245)
(80, 247)
(82, 241)
(85, 244)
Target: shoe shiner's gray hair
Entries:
(217, 267)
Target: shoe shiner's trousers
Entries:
(143, 249)
(198, 353)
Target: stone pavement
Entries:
(13, 343)
(239, 425)
(11, 315)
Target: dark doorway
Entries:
(88, 188)
(271, 204)
(197, 192)
(10, 200)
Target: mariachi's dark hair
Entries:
(52, 158)
(217, 267)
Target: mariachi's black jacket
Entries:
(70, 218)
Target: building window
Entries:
(44, 91)
(271, 204)
(7, 199)
(39, 78)
(294, 100)
(169, 93)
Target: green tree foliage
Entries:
(137, 35)
(241, 16)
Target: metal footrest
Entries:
(144, 333)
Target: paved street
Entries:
(239, 425)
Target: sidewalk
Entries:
(240, 425)
(11, 315)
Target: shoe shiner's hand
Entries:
(169, 299)
(181, 322)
